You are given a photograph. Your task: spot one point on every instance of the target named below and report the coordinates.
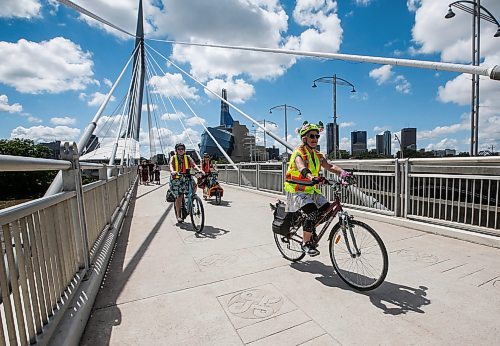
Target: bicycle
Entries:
(192, 205)
(212, 188)
(357, 252)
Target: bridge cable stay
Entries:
(82, 10)
(157, 103)
(159, 98)
(56, 185)
(493, 72)
(273, 135)
(166, 109)
(103, 131)
(194, 113)
(173, 107)
(150, 97)
(368, 200)
(152, 146)
(123, 117)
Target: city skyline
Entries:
(58, 66)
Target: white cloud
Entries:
(380, 129)
(63, 121)
(454, 45)
(381, 74)
(20, 8)
(446, 143)
(413, 5)
(52, 66)
(46, 134)
(97, 98)
(172, 85)
(324, 33)
(5, 107)
(108, 83)
(33, 119)
(347, 124)
(360, 96)
(384, 74)
(173, 116)
(152, 107)
(168, 139)
(363, 2)
(402, 85)
(238, 90)
(193, 121)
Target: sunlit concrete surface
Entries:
(167, 285)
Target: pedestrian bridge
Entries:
(106, 263)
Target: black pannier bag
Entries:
(170, 196)
(282, 220)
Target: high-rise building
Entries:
(330, 128)
(358, 142)
(409, 138)
(387, 143)
(379, 148)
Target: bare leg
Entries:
(178, 204)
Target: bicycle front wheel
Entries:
(218, 197)
(358, 255)
(197, 214)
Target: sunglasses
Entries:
(181, 148)
(311, 136)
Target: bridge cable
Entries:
(175, 110)
(201, 122)
(80, 9)
(492, 72)
(149, 96)
(123, 117)
(273, 135)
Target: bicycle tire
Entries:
(290, 246)
(368, 242)
(197, 214)
(218, 198)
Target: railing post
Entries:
(72, 181)
(407, 187)
(397, 188)
(284, 168)
(103, 176)
(239, 174)
(257, 178)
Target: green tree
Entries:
(14, 185)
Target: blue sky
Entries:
(58, 66)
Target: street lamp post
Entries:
(285, 107)
(264, 122)
(334, 80)
(400, 148)
(474, 8)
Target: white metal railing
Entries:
(48, 244)
(458, 192)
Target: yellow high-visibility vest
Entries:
(293, 181)
(185, 167)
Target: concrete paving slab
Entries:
(167, 285)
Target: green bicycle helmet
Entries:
(306, 127)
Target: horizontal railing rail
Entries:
(48, 244)
(458, 192)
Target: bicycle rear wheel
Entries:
(218, 197)
(197, 214)
(358, 255)
(290, 246)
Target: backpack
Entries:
(282, 220)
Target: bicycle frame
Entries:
(328, 216)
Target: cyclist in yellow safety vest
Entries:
(301, 181)
(180, 165)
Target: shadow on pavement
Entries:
(98, 330)
(223, 203)
(392, 298)
(207, 232)
(153, 190)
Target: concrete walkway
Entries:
(167, 285)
